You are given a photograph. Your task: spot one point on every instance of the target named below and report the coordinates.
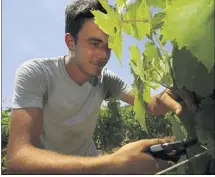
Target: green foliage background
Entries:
(5, 126)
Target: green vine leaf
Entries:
(151, 53)
(138, 17)
(158, 20)
(191, 25)
(115, 42)
(177, 127)
(147, 94)
(110, 24)
(194, 76)
(105, 22)
(205, 126)
(120, 4)
(143, 14)
(129, 26)
(140, 111)
(136, 61)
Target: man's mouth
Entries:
(100, 64)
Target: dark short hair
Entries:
(77, 13)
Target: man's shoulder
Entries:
(108, 74)
(41, 61)
(40, 65)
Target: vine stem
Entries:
(168, 56)
(159, 43)
(161, 46)
(163, 49)
(163, 85)
(183, 93)
(185, 161)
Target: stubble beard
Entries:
(95, 74)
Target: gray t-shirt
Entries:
(70, 111)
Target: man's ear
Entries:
(70, 41)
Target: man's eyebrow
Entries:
(95, 39)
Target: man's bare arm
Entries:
(24, 156)
(160, 103)
(130, 97)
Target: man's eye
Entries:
(96, 44)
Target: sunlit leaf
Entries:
(146, 94)
(158, 20)
(143, 14)
(140, 112)
(105, 22)
(191, 25)
(115, 42)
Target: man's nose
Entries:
(104, 55)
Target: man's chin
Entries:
(95, 74)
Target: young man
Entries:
(56, 102)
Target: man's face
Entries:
(91, 51)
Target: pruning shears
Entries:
(171, 151)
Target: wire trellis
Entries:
(185, 161)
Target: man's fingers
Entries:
(149, 142)
(170, 138)
(172, 104)
(175, 107)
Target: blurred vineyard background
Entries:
(116, 126)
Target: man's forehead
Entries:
(91, 31)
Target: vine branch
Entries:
(183, 93)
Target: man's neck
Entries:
(74, 72)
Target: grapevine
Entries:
(188, 70)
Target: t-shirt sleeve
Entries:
(114, 86)
(29, 86)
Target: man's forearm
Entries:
(149, 107)
(31, 160)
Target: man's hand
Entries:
(131, 159)
(160, 104)
(163, 103)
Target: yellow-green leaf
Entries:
(158, 20)
(144, 26)
(137, 59)
(146, 94)
(177, 127)
(130, 16)
(134, 68)
(190, 23)
(126, 28)
(115, 42)
(151, 53)
(104, 22)
(120, 3)
(140, 113)
(110, 10)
